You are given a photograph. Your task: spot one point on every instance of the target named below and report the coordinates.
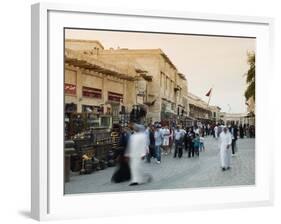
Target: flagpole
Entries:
(209, 98)
(210, 95)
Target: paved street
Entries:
(179, 173)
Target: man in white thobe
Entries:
(225, 148)
(216, 131)
(166, 137)
(137, 148)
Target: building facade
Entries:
(96, 78)
(199, 109)
(216, 112)
(234, 118)
(166, 89)
(93, 86)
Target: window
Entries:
(91, 92)
(91, 109)
(116, 97)
(87, 108)
(105, 121)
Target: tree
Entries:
(251, 76)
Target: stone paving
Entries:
(174, 173)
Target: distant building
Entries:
(199, 109)
(216, 111)
(233, 118)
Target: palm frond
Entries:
(250, 76)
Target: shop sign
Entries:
(69, 89)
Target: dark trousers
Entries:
(196, 149)
(185, 146)
(178, 148)
(191, 150)
(233, 145)
(123, 172)
(151, 153)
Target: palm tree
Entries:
(251, 76)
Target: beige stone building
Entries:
(100, 79)
(94, 86)
(199, 109)
(216, 112)
(92, 47)
(233, 118)
(165, 88)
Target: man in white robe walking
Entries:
(137, 149)
(216, 132)
(225, 148)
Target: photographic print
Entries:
(157, 111)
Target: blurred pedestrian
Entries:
(252, 131)
(147, 128)
(241, 131)
(196, 144)
(247, 131)
(122, 172)
(179, 136)
(225, 151)
(158, 142)
(197, 130)
(171, 140)
(190, 145)
(166, 136)
(201, 146)
(234, 135)
(207, 130)
(137, 148)
(151, 153)
(216, 132)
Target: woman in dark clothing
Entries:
(122, 172)
(151, 144)
(190, 135)
(241, 131)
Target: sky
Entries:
(207, 62)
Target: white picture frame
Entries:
(48, 201)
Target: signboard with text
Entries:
(70, 89)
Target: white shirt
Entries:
(137, 145)
(166, 133)
(225, 139)
(179, 133)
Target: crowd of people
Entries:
(140, 143)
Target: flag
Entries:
(209, 92)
